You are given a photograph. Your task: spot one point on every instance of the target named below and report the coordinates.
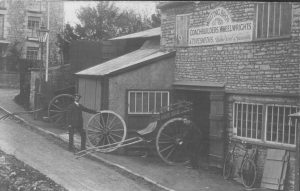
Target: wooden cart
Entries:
(107, 131)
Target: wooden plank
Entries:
(98, 94)
(274, 169)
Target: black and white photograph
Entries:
(149, 95)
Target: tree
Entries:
(105, 21)
(102, 22)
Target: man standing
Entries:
(75, 121)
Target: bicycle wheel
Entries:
(248, 173)
(228, 166)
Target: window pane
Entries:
(249, 120)
(271, 19)
(158, 101)
(239, 122)
(151, 101)
(139, 102)
(260, 121)
(265, 20)
(244, 120)
(279, 127)
(131, 102)
(277, 18)
(145, 102)
(165, 97)
(286, 17)
(260, 8)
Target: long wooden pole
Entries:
(297, 177)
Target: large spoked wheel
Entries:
(248, 173)
(171, 141)
(228, 167)
(106, 130)
(57, 113)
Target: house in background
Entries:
(19, 23)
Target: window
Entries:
(279, 127)
(33, 22)
(1, 26)
(146, 102)
(273, 19)
(269, 123)
(247, 120)
(32, 53)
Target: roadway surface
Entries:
(59, 164)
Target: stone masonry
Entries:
(264, 71)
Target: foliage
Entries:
(104, 21)
(14, 54)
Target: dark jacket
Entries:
(74, 114)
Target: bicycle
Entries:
(247, 170)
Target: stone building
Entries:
(20, 20)
(239, 64)
(19, 24)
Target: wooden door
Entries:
(216, 130)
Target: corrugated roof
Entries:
(143, 34)
(123, 62)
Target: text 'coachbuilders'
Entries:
(229, 33)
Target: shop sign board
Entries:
(221, 34)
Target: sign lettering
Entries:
(221, 34)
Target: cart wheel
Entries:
(57, 109)
(171, 142)
(104, 129)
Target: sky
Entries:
(71, 7)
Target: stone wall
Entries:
(262, 66)
(266, 71)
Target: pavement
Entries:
(150, 170)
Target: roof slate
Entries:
(123, 62)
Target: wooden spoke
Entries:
(114, 140)
(116, 135)
(100, 125)
(172, 138)
(166, 148)
(164, 142)
(57, 109)
(171, 152)
(57, 106)
(107, 119)
(112, 124)
(169, 141)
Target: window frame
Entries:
(129, 112)
(32, 49)
(35, 19)
(274, 37)
(266, 121)
(233, 123)
(263, 139)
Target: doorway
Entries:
(200, 114)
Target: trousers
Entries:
(82, 135)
